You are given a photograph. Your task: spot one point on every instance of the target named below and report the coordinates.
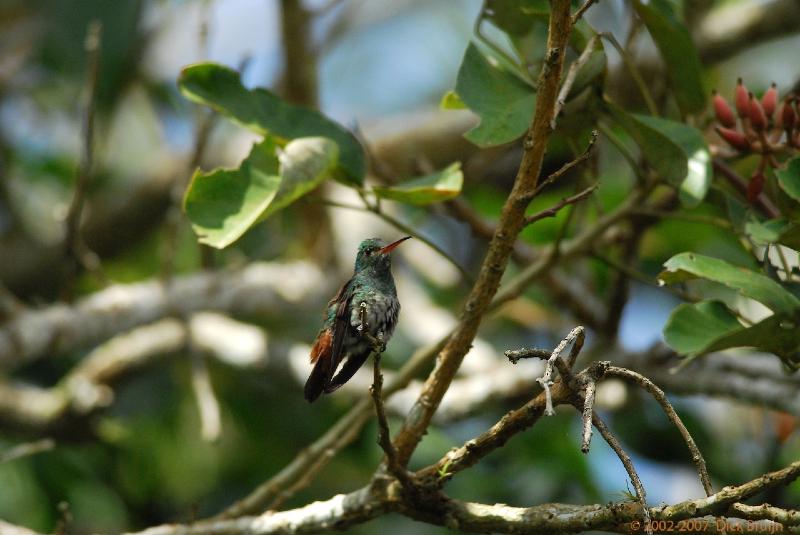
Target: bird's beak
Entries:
(391, 247)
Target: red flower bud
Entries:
(740, 99)
(734, 138)
(770, 100)
(755, 186)
(758, 120)
(723, 111)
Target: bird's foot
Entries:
(377, 343)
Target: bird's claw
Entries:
(378, 344)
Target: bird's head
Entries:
(374, 253)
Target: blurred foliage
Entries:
(142, 461)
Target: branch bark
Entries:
(257, 290)
(502, 244)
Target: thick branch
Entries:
(501, 246)
(360, 506)
(259, 289)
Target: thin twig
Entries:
(681, 216)
(621, 148)
(575, 335)
(588, 408)
(515, 355)
(569, 79)
(581, 10)
(341, 437)
(661, 398)
(203, 130)
(27, 448)
(740, 185)
(612, 441)
(643, 278)
(634, 72)
(553, 210)
(72, 252)
(585, 308)
(568, 166)
(405, 229)
(384, 435)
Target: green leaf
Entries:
(687, 266)
(776, 334)
(691, 328)
(678, 152)
(677, 49)
(517, 17)
(428, 189)
(222, 204)
(789, 178)
(773, 231)
(263, 112)
(710, 326)
(502, 101)
(451, 101)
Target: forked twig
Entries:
(581, 10)
(577, 336)
(564, 169)
(553, 210)
(661, 398)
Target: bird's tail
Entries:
(349, 368)
(316, 381)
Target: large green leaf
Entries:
(260, 110)
(789, 178)
(709, 326)
(678, 51)
(502, 101)
(687, 266)
(222, 204)
(691, 328)
(677, 151)
(428, 189)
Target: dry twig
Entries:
(74, 249)
(661, 398)
(553, 210)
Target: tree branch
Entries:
(501, 246)
(345, 510)
(260, 289)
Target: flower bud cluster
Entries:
(759, 126)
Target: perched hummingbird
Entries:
(370, 294)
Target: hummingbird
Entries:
(358, 320)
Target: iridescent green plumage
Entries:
(370, 294)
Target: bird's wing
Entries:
(327, 351)
(341, 323)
